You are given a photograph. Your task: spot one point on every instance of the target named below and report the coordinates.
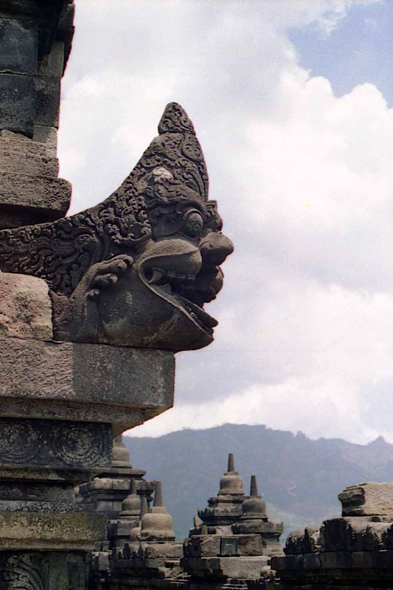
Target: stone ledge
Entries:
(17, 109)
(84, 382)
(19, 45)
(69, 531)
(367, 499)
(15, 162)
(19, 143)
(248, 568)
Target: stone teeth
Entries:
(157, 275)
(179, 276)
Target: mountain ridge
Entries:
(298, 477)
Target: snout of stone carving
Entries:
(155, 300)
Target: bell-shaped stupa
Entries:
(254, 507)
(131, 506)
(157, 524)
(225, 508)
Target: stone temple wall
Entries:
(62, 402)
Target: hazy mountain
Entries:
(298, 477)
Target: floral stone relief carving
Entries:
(137, 269)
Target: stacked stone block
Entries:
(35, 41)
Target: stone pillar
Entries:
(57, 431)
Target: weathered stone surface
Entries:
(47, 101)
(247, 568)
(44, 474)
(51, 195)
(311, 561)
(336, 560)
(47, 15)
(43, 492)
(64, 370)
(48, 137)
(367, 499)
(25, 307)
(249, 545)
(53, 64)
(18, 41)
(262, 527)
(382, 560)
(362, 559)
(20, 163)
(157, 550)
(77, 570)
(14, 142)
(278, 562)
(17, 107)
(202, 546)
(50, 531)
(103, 376)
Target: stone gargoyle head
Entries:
(137, 269)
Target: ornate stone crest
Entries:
(137, 269)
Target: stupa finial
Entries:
(133, 487)
(158, 495)
(253, 486)
(144, 507)
(231, 463)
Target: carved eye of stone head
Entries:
(193, 224)
(165, 224)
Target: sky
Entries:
(292, 101)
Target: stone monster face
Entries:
(137, 269)
(156, 298)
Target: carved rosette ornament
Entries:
(57, 443)
(19, 442)
(137, 269)
(81, 444)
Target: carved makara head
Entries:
(137, 269)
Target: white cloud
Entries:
(329, 352)
(303, 180)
